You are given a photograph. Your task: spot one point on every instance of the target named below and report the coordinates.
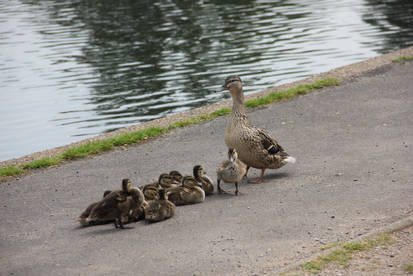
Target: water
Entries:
(74, 69)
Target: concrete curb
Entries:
(344, 74)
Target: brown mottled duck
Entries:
(189, 193)
(159, 209)
(230, 171)
(206, 182)
(115, 206)
(255, 146)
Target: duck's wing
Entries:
(106, 207)
(175, 195)
(268, 143)
(206, 179)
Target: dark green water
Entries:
(73, 69)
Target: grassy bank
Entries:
(125, 139)
(403, 58)
(345, 253)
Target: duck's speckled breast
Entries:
(241, 136)
(233, 132)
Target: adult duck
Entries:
(255, 147)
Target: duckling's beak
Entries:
(221, 88)
(231, 158)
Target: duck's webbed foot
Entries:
(259, 179)
(118, 221)
(220, 190)
(121, 225)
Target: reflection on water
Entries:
(74, 69)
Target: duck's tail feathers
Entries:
(83, 221)
(290, 159)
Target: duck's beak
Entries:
(231, 158)
(221, 88)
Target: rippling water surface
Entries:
(74, 69)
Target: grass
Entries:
(408, 268)
(331, 245)
(41, 163)
(125, 139)
(290, 93)
(403, 58)
(10, 171)
(343, 255)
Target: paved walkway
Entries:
(354, 150)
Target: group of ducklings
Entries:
(157, 201)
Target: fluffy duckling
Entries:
(115, 206)
(137, 205)
(189, 193)
(83, 216)
(166, 181)
(177, 176)
(231, 171)
(201, 176)
(151, 190)
(160, 209)
(255, 146)
(139, 213)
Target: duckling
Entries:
(160, 209)
(231, 171)
(136, 205)
(138, 213)
(189, 193)
(177, 176)
(115, 206)
(151, 190)
(255, 147)
(83, 216)
(166, 181)
(201, 176)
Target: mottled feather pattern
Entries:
(231, 172)
(255, 147)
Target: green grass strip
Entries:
(403, 58)
(10, 171)
(342, 255)
(41, 163)
(96, 147)
(408, 268)
(87, 149)
(290, 93)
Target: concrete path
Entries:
(354, 150)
